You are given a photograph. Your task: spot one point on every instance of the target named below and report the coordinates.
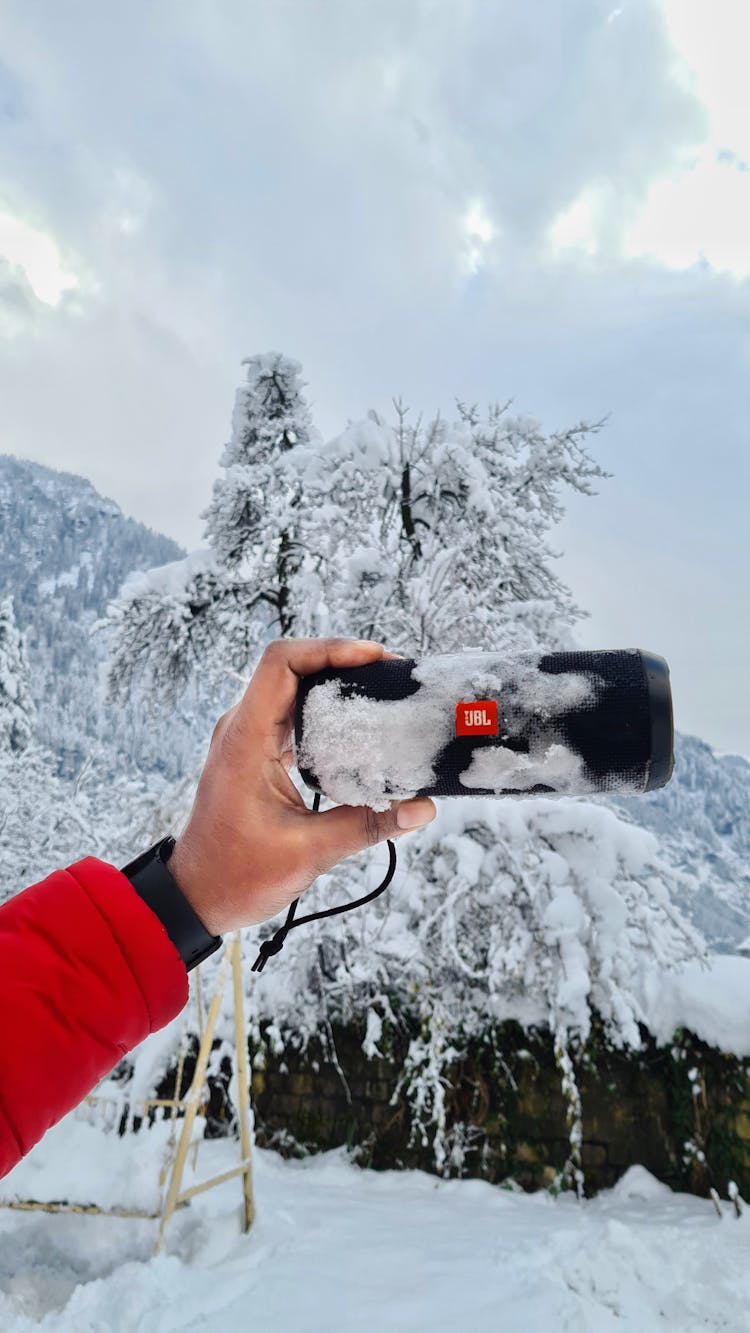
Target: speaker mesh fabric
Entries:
(611, 729)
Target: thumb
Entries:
(347, 829)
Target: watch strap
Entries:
(153, 883)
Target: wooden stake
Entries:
(192, 1100)
(31, 1206)
(173, 1117)
(199, 1002)
(243, 1082)
(215, 1180)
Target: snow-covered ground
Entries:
(335, 1248)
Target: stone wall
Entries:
(682, 1112)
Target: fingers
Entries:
(334, 834)
(265, 710)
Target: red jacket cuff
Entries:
(152, 958)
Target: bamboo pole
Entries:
(32, 1206)
(145, 1102)
(215, 1180)
(199, 1002)
(243, 1081)
(192, 1099)
(176, 1101)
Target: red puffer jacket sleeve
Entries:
(86, 972)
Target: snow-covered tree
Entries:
(39, 830)
(428, 536)
(434, 537)
(208, 615)
(48, 821)
(16, 706)
(431, 537)
(270, 418)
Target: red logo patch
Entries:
(477, 719)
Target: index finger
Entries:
(266, 708)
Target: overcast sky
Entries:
(547, 200)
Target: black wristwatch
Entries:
(153, 883)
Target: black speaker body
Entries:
(476, 724)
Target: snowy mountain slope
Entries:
(702, 820)
(62, 541)
(64, 552)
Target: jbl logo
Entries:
(477, 719)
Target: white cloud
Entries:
(701, 215)
(697, 214)
(702, 212)
(712, 38)
(132, 198)
(696, 210)
(575, 228)
(479, 232)
(36, 254)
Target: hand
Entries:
(251, 845)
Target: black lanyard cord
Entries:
(276, 942)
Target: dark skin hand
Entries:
(251, 844)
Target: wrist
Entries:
(182, 868)
(151, 876)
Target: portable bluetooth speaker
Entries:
(476, 724)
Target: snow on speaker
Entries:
(476, 724)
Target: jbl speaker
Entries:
(476, 724)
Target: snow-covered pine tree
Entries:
(208, 615)
(249, 505)
(16, 706)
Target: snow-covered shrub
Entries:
(541, 911)
(47, 821)
(43, 823)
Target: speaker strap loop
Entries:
(276, 942)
